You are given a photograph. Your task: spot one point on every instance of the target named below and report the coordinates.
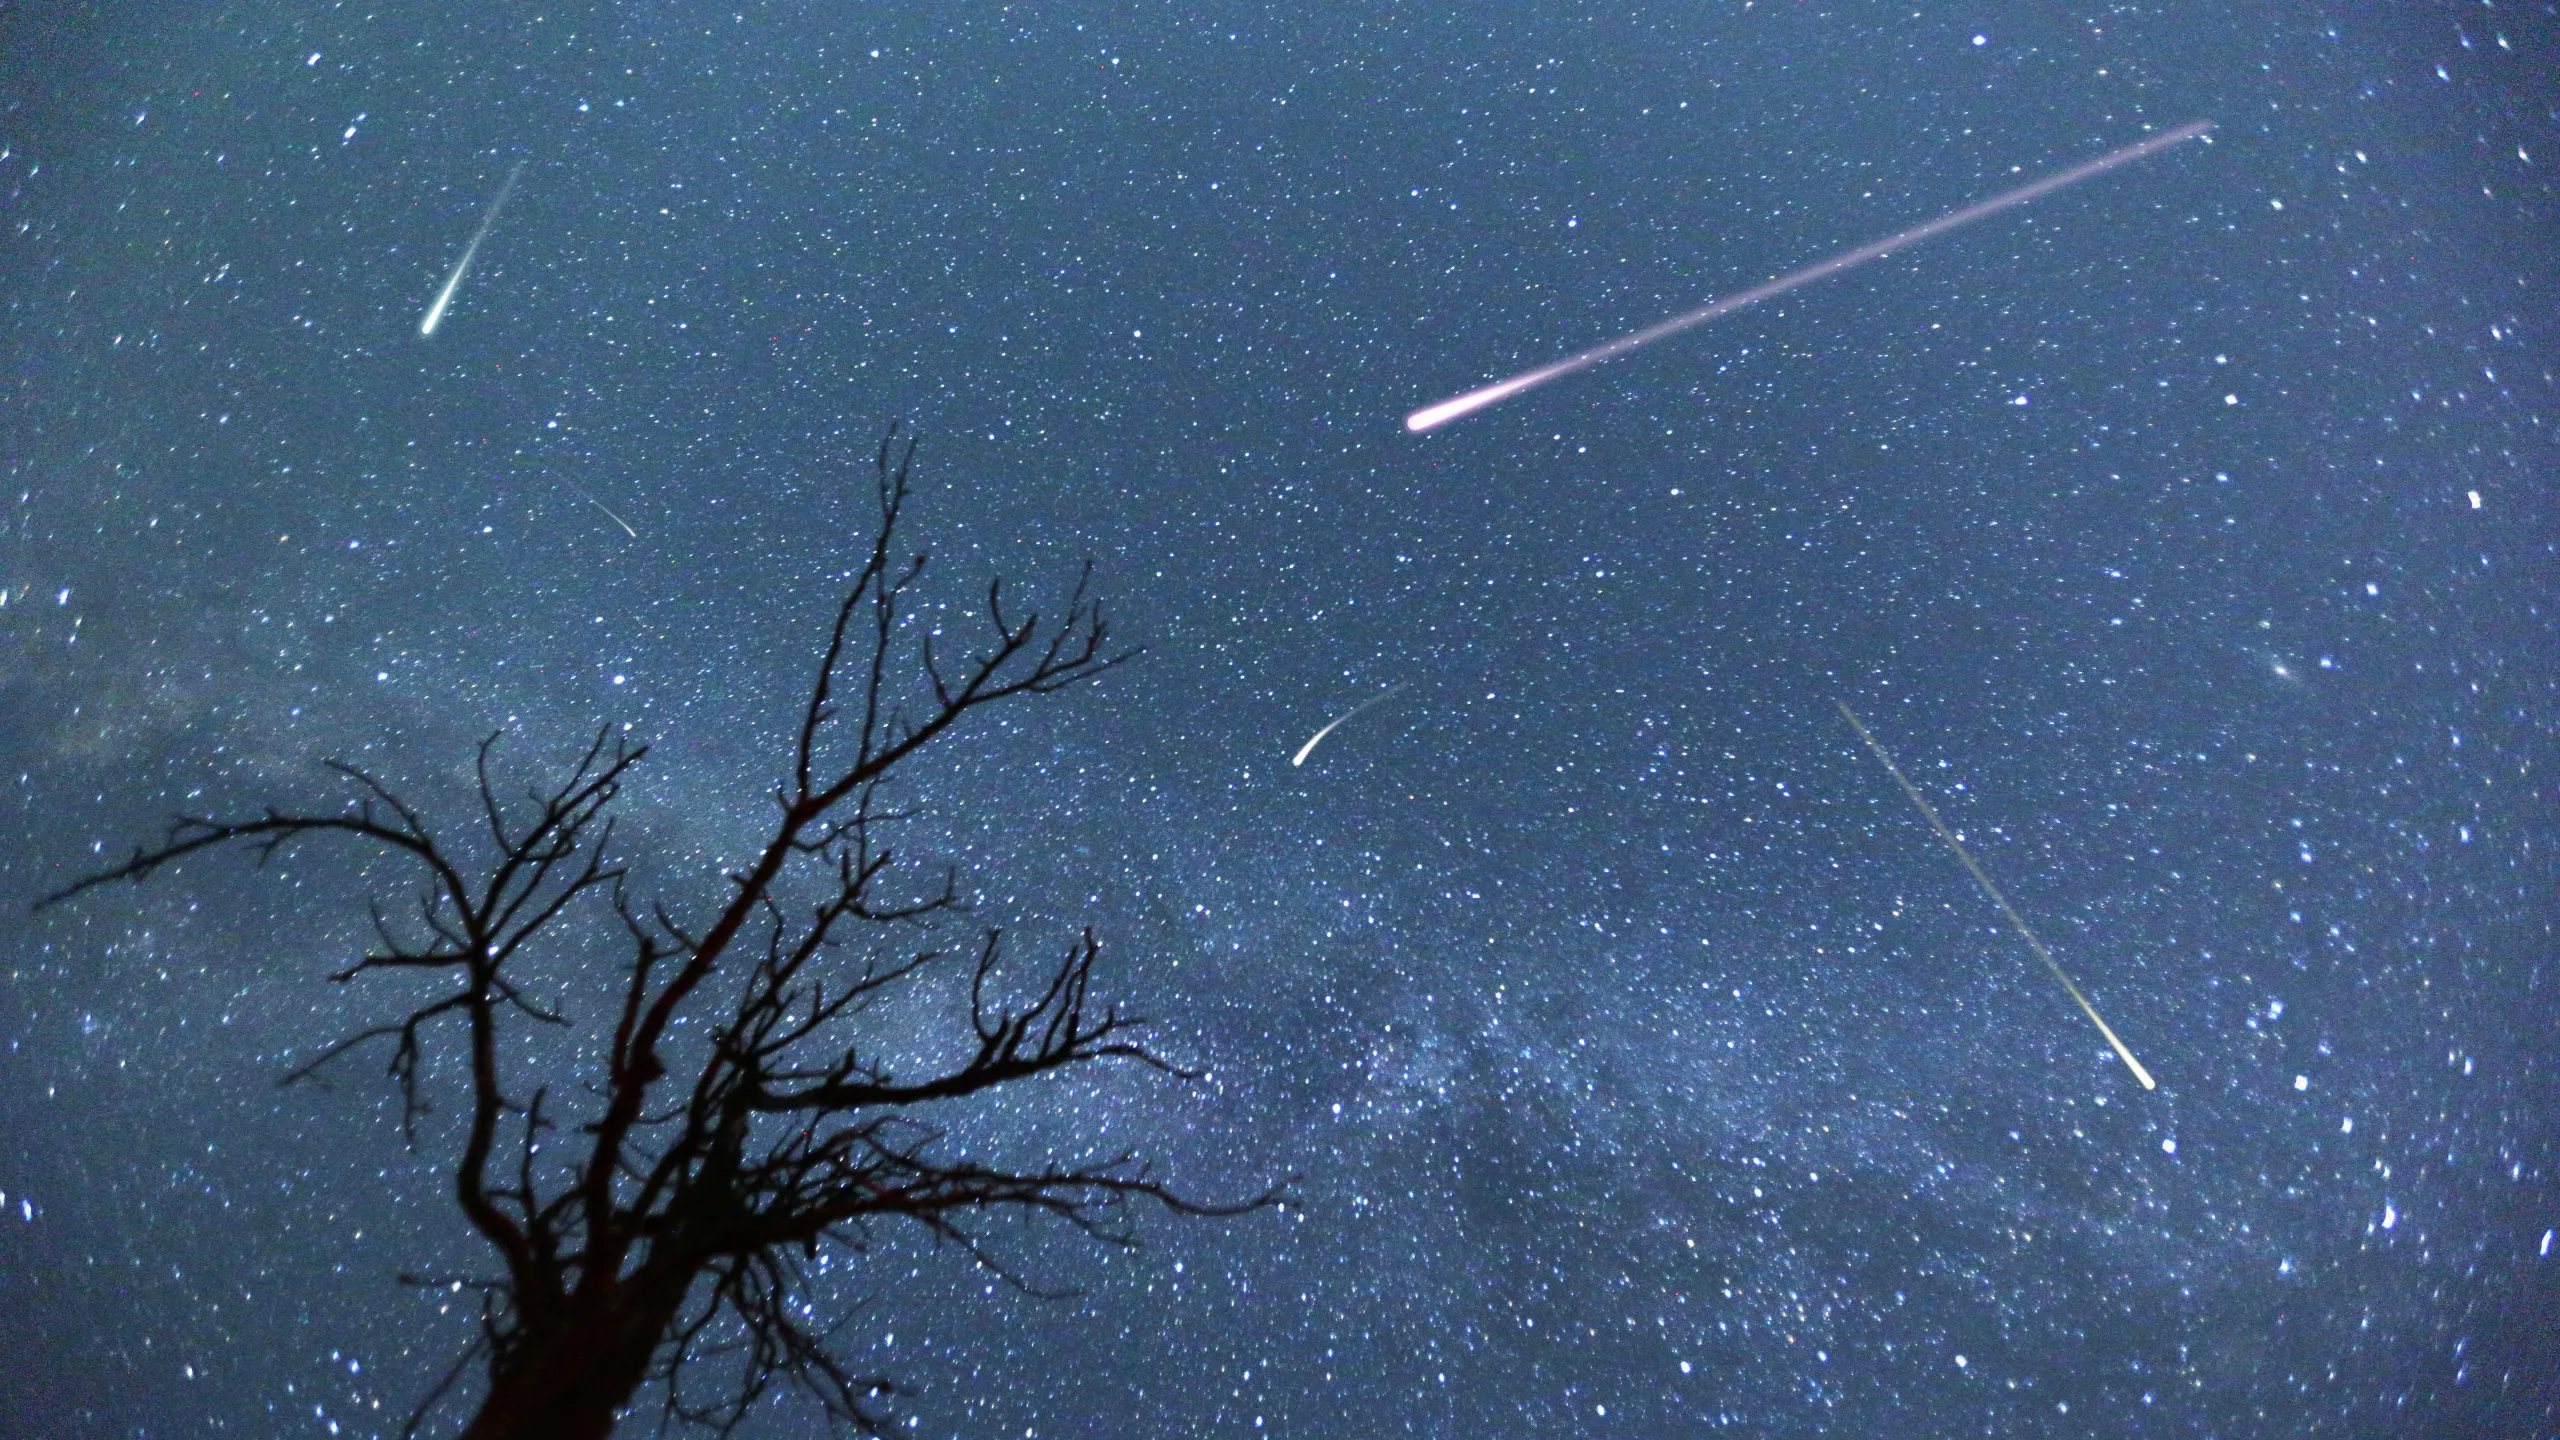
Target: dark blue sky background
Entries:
(2189, 536)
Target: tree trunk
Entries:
(569, 1380)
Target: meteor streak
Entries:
(1431, 417)
(607, 509)
(1984, 880)
(1318, 738)
(462, 267)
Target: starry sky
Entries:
(1648, 1067)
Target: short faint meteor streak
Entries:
(462, 267)
(1984, 880)
(1431, 417)
(1318, 738)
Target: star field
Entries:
(1646, 1065)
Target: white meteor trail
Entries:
(607, 509)
(1984, 880)
(1431, 417)
(1318, 738)
(462, 267)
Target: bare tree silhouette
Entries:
(670, 1232)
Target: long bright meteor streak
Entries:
(607, 509)
(1431, 417)
(1318, 738)
(462, 267)
(1984, 880)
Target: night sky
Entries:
(1648, 1066)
